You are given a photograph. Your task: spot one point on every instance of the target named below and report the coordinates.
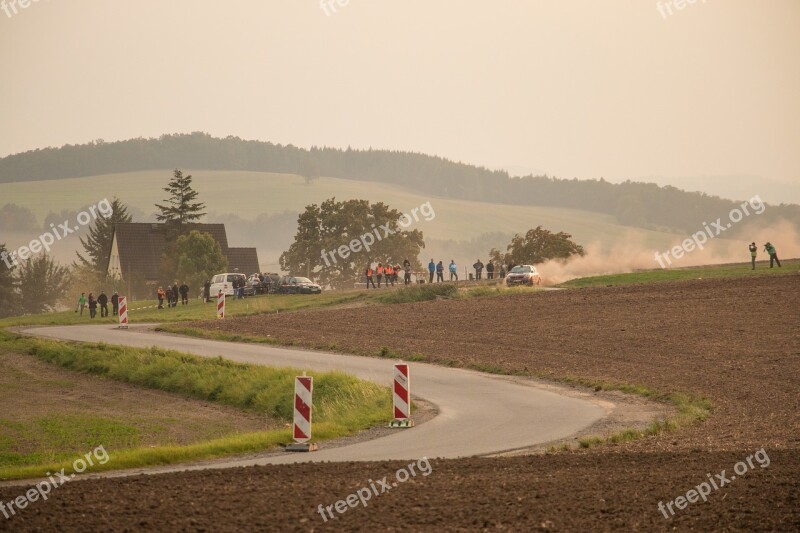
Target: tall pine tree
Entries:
(97, 245)
(180, 210)
(178, 215)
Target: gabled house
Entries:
(137, 249)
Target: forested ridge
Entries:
(643, 205)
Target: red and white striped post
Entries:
(123, 312)
(401, 397)
(221, 305)
(301, 427)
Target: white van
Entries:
(224, 283)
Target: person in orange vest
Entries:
(389, 271)
(369, 273)
(379, 273)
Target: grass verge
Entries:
(146, 311)
(343, 404)
(678, 274)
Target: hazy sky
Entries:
(572, 88)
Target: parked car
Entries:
(224, 283)
(523, 275)
(296, 285)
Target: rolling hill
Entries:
(239, 197)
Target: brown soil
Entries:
(733, 341)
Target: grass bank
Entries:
(342, 404)
(146, 311)
(678, 274)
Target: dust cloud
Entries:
(630, 254)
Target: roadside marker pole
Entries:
(221, 305)
(301, 428)
(123, 312)
(401, 397)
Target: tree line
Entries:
(644, 205)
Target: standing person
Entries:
(453, 270)
(81, 303)
(431, 270)
(207, 291)
(92, 305)
(369, 273)
(388, 270)
(184, 288)
(773, 255)
(379, 273)
(103, 301)
(161, 295)
(753, 253)
(396, 272)
(439, 272)
(406, 271)
(267, 283)
(175, 291)
(489, 270)
(478, 266)
(115, 303)
(502, 271)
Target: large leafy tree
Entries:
(537, 246)
(41, 282)
(9, 300)
(180, 208)
(97, 245)
(333, 225)
(199, 258)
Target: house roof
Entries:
(141, 246)
(244, 260)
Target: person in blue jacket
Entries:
(431, 271)
(453, 270)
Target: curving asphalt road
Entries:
(479, 414)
